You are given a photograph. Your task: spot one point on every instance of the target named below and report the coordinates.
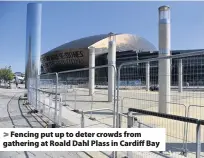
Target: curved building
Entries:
(75, 54)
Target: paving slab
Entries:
(15, 115)
(142, 99)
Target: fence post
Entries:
(44, 101)
(147, 75)
(116, 107)
(130, 121)
(60, 111)
(82, 119)
(36, 93)
(55, 112)
(92, 104)
(50, 105)
(198, 137)
(180, 84)
(75, 99)
(138, 123)
(91, 70)
(119, 120)
(28, 94)
(65, 97)
(129, 154)
(121, 111)
(92, 107)
(39, 101)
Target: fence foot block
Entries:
(92, 118)
(33, 111)
(75, 110)
(184, 153)
(52, 126)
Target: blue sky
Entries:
(65, 21)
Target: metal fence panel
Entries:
(74, 87)
(139, 89)
(176, 145)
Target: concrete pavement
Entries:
(15, 115)
(18, 117)
(141, 99)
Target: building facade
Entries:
(75, 55)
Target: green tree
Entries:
(6, 74)
(1, 75)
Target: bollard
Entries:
(164, 64)
(33, 42)
(111, 62)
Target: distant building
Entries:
(19, 77)
(19, 74)
(75, 55)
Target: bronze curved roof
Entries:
(124, 42)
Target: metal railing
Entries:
(136, 71)
(137, 93)
(197, 143)
(79, 97)
(133, 91)
(49, 104)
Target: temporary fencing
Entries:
(76, 95)
(144, 86)
(73, 89)
(194, 111)
(48, 106)
(138, 87)
(141, 91)
(48, 81)
(173, 124)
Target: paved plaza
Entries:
(183, 104)
(15, 115)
